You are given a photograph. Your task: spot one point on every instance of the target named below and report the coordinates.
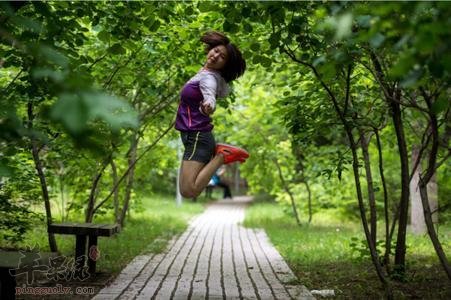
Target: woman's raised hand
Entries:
(206, 108)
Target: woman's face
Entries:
(216, 58)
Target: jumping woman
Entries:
(202, 156)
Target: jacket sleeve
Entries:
(208, 87)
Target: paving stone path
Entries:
(215, 258)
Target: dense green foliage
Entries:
(90, 91)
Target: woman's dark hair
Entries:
(235, 64)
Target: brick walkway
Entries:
(215, 258)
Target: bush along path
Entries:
(215, 258)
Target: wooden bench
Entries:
(12, 261)
(82, 231)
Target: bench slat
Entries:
(84, 229)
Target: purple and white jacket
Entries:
(203, 87)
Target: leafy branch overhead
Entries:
(344, 108)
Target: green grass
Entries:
(321, 256)
(146, 230)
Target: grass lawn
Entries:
(321, 256)
(147, 229)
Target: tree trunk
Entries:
(300, 171)
(371, 245)
(400, 253)
(93, 193)
(130, 178)
(355, 165)
(393, 98)
(364, 143)
(416, 211)
(430, 226)
(386, 215)
(309, 193)
(116, 191)
(290, 194)
(51, 237)
(425, 179)
(38, 166)
(63, 200)
(432, 188)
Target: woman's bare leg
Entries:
(195, 176)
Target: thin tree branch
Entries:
(131, 165)
(12, 81)
(424, 145)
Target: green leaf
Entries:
(255, 46)
(230, 27)
(257, 59)
(377, 40)
(149, 21)
(274, 39)
(232, 15)
(86, 107)
(27, 24)
(402, 41)
(104, 36)
(411, 78)
(343, 26)
(40, 73)
(72, 112)
(441, 104)
(53, 55)
(247, 27)
(246, 12)
(5, 170)
(404, 64)
(294, 29)
(305, 57)
(277, 13)
(116, 49)
(436, 68)
(266, 62)
(364, 21)
(446, 61)
(319, 60)
(205, 6)
(155, 26)
(114, 111)
(328, 71)
(298, 20)
(189, 10)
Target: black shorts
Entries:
(199, 145)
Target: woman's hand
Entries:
(207, 108)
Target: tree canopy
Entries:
(336, 98)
